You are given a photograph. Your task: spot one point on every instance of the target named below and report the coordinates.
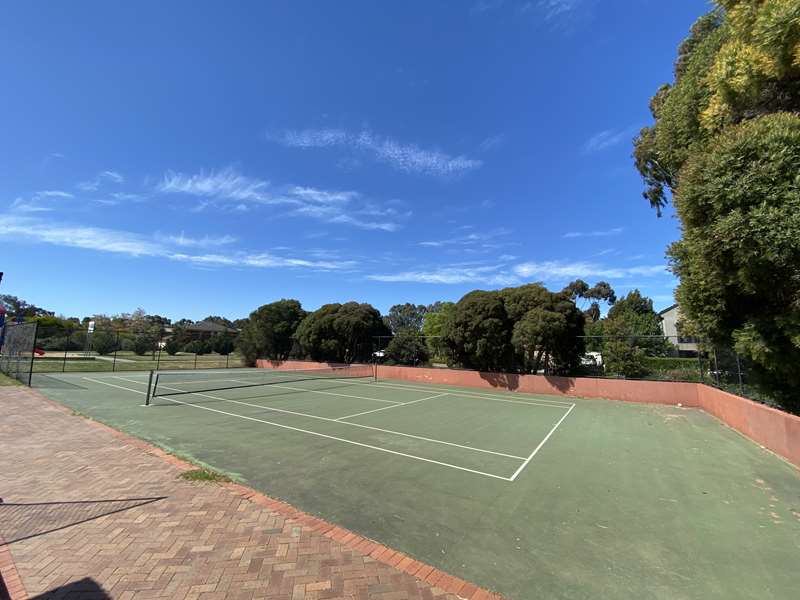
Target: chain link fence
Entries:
(17, 350)
(62, 350)
(653, 357)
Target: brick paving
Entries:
(89, 512)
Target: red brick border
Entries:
(357, 543)
(9, 575)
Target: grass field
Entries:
(532, 496)
(54, 362)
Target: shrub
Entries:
(407, 348)
(104, 343)
(172, 346)
(142, 344)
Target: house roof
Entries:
(668, 309)
(210, 327)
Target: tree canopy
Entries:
(726, 146)
(527, 328)
(269, 331)
(405, 316)
(340, 332)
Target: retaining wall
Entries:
(776, 430)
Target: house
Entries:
(687, 345)
(205, 329)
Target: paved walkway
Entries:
(89, 512)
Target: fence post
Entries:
(739, 372)
(116, 349)
(66, 347)
(700, 366)
(195, 360)
(160, 341)
(716, 367)
(227, 360)
(33, 351)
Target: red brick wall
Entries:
(773, 429)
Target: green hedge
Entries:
(669, 363)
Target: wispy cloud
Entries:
(503, 273)
(493, 142)
(53, 194)
(136, 245)
(405, 157)
(555, 8)
(239, 191)
(549, 270)
(607, 138)
(40, 201)
(102, 177)
(602, 233)
(482, 6)
(477, 238)
(185, 241)
(454, 274)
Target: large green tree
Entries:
(405, 316)
(341, 332)
(726, 147)
(479, 332)
(434, 328)
(268, 332)
(527, 327)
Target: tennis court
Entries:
(532, 496)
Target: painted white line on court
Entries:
(322, 435)
(296, 389)
(537, 402)
(539, 447)
(366, 412)
(359, 425)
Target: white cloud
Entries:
(206, 241)
(227, 184)
(554, 8)
(603, 233)
(560, 270)
(607, 138)
(23, 206)
(102, 177)
(502, 273)
(238, 191)
(53, 194)
(453, 274)
(493, 142)
(136, 245)
(483, 239)
(403, 157)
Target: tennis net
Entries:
(196, 382)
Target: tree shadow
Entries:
(83, 589)
(561, 383)
(22, 521)
(506, 381)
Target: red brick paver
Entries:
(90, 512)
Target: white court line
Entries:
(323, 435)
(319, 418)
(539, 447)
(537, 402)
(366, 412)
(287, 387)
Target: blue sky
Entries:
(198, 158)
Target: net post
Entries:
(375, 370)
(149, 389)
(33, 351)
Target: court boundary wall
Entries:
(773, 429)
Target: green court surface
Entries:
(531, 496)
